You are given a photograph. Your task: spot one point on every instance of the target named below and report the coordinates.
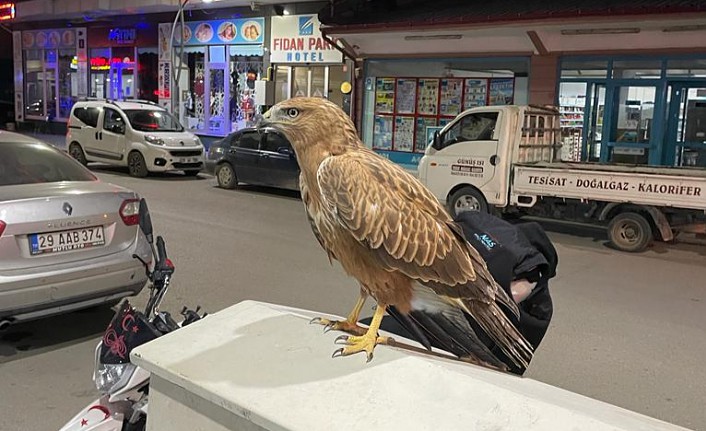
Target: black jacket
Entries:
(512, 252)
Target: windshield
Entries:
(144, 120)
(29, 163)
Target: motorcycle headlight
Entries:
(110, 378)
(154, 140)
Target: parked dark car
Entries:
(250, 156)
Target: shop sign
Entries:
(297, 39)
(102, 63)
(221, 32)
(123, 36)
(49, 39)
(7, 11)
(402, 158)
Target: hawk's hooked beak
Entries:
(265, 120)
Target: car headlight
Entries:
(110, 378)
(197, 141)
(154, 140)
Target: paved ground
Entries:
(628, 329)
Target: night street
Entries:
(627, 329)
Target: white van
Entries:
(138, 134)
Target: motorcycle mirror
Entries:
(145, 220)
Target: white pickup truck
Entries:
(507, 158)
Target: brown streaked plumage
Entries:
(390, 233)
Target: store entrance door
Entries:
(632, 116)
(686, 127)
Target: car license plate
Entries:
(188, 160)
(56, 242)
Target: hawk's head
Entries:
(312, 121)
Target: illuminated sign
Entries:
(102, 63)
(7, 11)
(123, 36)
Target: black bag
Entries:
(514, 252)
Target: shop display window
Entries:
(244, 71)
(409, 110)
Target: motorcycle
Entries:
(124, 386)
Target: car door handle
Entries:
(265, 156)
(494, 159)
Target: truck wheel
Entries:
(467, 199)
(630, 232)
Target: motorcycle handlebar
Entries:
(161, 252)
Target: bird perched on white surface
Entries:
(389, 232)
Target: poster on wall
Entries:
(406, 96)
(428, 96)
(384, 95)
(475, 93)
(501, 91)
(383, 132)
(404, 134)
(421, 140)
(298, 39)
(451, 94)
(19, 81)
(221, 32)
(39, 39)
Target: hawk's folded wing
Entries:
(388, 210)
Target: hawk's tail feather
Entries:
(447, 330)
(498, 327)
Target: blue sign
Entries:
(306, 25)
(408, 160)
(222, 32)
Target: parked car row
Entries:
(145, 137)
(67, 239)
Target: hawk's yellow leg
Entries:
(367, 342)
(349, 325)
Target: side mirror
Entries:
(436, 142)
(145, 220)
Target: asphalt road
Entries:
(627, 329)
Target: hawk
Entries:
(390, 233)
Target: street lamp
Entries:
(176, 75)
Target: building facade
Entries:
(629, 77)
(216, 72)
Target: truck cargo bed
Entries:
(665, 187)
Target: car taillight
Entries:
(2, 227)
(130, 212)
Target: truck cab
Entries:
(469, 162)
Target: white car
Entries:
(138, 134)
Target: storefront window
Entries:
(584, 69)
(148, 67)
(244, 71)
(68, 82)
(693, 68)
(637, 69)
(336, 77)
(413, 99)
(195, 62)
(100, 72)
(34, 83)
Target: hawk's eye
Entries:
(292, 112)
